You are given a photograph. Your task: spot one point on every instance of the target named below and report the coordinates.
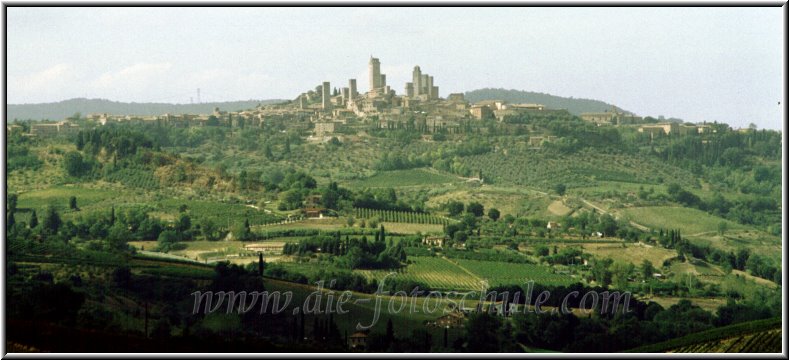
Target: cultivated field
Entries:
(411, 177)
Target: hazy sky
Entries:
(698, 64)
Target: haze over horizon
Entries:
(710, 64)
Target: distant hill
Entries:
(63, 109)
(574, 106)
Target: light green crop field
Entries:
(223, 214)
(689, 221)
(437, 273)
(58, 196)
(499, 273)
(411, 177)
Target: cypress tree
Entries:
(33, 220)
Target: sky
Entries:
(698, 64)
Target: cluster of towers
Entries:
(421, 86)
(325, 91)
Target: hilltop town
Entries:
(123, 216)
(325, 111)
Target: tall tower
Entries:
(417, 81)
(346, 95)
(374, 69)
(352, 86)
(326, 95)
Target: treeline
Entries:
(754, 210)
(18, 154)
(438, 158)
(353, 253)
(723, 148)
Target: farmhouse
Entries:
(314, 212)
(454, 319)
(358, 340)
(553, 225)
(437, 241)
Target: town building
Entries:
(659, 129)
(53, 129)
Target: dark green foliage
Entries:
(494, 214)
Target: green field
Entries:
(437, 273)
(688, 221)
(401, 216)
(412, 177)
(497, 273)
(223, 214)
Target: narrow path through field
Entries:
(604, 211)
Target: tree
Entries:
(350, 221)
(184, 223)
(118, 236)
(261, 264)
(51, 220)
(722, 227)
(33, 220)
(484, 332)
(74, 164)
(11, 202)
(560, 189)
(741, 258)
(475, 208)
(166, 240)
(455, 208)
(494, 214)
(542, 250)
(10, 219)
(242, 231)
(647, 269)
(209, 229)
(72, 203)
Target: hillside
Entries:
(66, 108)
(760, 336)
(574, 106)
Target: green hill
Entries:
(62, 109)
(574, 106)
